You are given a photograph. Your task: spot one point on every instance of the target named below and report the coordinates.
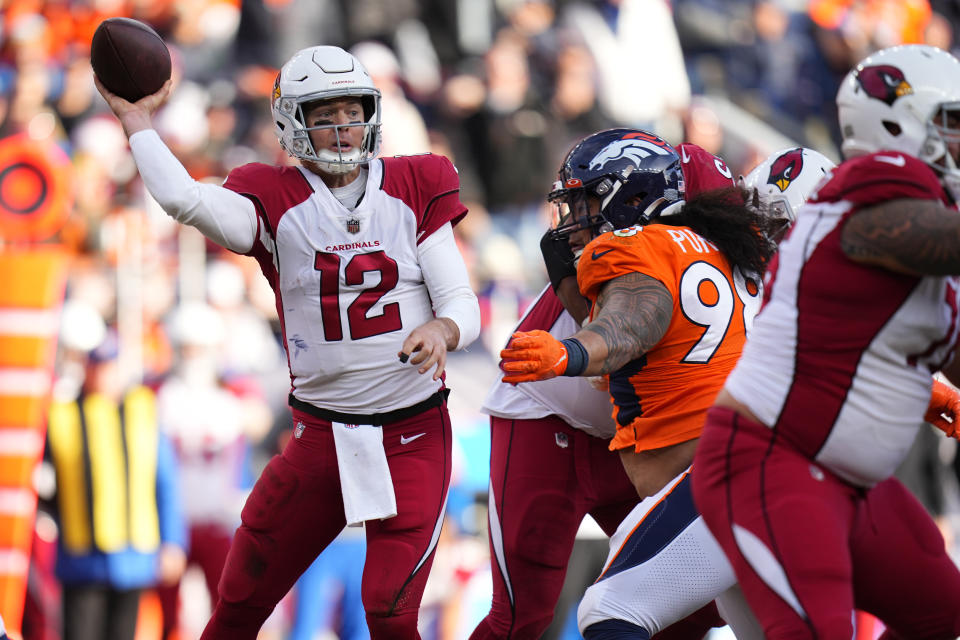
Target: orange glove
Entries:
(944, 409)
(533, 355)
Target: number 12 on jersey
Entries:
(361, 325)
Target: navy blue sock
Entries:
(615, 630)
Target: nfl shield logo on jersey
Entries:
(562, 441)
(298, 431)
(353, 225)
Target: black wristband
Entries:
(577, 357)
(558, 258)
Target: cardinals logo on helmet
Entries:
(630, 147)
(884, 82)
(276, 88)
(786, 168)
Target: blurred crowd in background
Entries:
(503, 88)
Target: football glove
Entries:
(944, 409)
(533, 355)
(558, 258)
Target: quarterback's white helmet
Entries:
(784, 181)
(322, 73)
(904, 98)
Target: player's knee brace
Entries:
(615, 630)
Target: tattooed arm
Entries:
(917, 237)
(634, 313)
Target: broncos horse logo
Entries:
(884, 82)
(633, 149)
(786, 168)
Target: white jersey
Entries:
(348, 284)
(573, 399)
(839, 359)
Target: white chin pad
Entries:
(333, 162)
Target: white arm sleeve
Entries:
(445, 275)
(224, 216)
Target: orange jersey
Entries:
(661, 398)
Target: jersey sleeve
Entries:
(882, 176)
(703, 171)
(430, 185)
(272, 190)
(618, 253)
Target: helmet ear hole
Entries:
(892, 128)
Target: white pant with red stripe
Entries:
(663, 565)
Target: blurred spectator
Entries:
(637, 30)
(118, 505)
(247, 346)
(923, 472)
(860, 27)
(404, 132)
(789, 75)
(574, 104)
(458, 106)
(508, 133)
(377, 19)
(211, 429)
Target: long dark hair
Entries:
(741, 232)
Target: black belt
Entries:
(396, 415)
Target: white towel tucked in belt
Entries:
(364, 473)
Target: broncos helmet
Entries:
(905, 98)
(785, 180)
(635, 176)
(322, 73)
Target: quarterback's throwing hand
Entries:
(533, 355)
(944, 409)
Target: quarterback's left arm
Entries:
(634, 313)
(454, 303)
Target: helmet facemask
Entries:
(301, 146)
(941, 148)
(619, 200)
(574, 211)
(780, 210)
(777, 208)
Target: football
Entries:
(129, 57)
